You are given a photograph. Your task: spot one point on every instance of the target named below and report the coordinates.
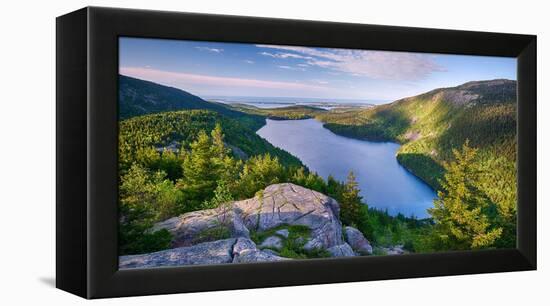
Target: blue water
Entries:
(384, 183)
(277, 102)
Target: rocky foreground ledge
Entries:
(269, 217)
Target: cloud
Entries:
(308, 52)
(183, 80)
(286, 55)
(215, 50)
(323, 82)
(291, 68)
(386, 65)
(249, 61)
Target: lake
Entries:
(384, 183)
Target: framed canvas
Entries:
(204, 152)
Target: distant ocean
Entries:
(275, 102)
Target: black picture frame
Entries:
(87, 134)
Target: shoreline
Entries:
(357, 138)
(407, 169)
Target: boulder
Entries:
(197, 239)
(291, 204)
(394, 250)
(279, 204)
(357, 241)
(243, 244)
(272, 252)
(257, 256)
(239, 250)
(342, 250)
(193, 227)
(245, 250)
(272, 242)
(215, 252)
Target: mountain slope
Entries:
(430, 125)
(170, 129)
(138, 97)
(153, 117)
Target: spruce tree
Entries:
(219, 150)
(350, 202)
(461, 212)
(200, 173)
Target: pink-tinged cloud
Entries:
(185, 80)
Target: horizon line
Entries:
(383, 101)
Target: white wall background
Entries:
(27, 152)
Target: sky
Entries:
(211, 69)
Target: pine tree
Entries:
(350, 202)
(258, 173)
(461, 211)
(227, 167)
(219, 150)
(144, 198)
(200, 172)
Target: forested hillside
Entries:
(144, 138)
(138, 97)
(430, 125)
